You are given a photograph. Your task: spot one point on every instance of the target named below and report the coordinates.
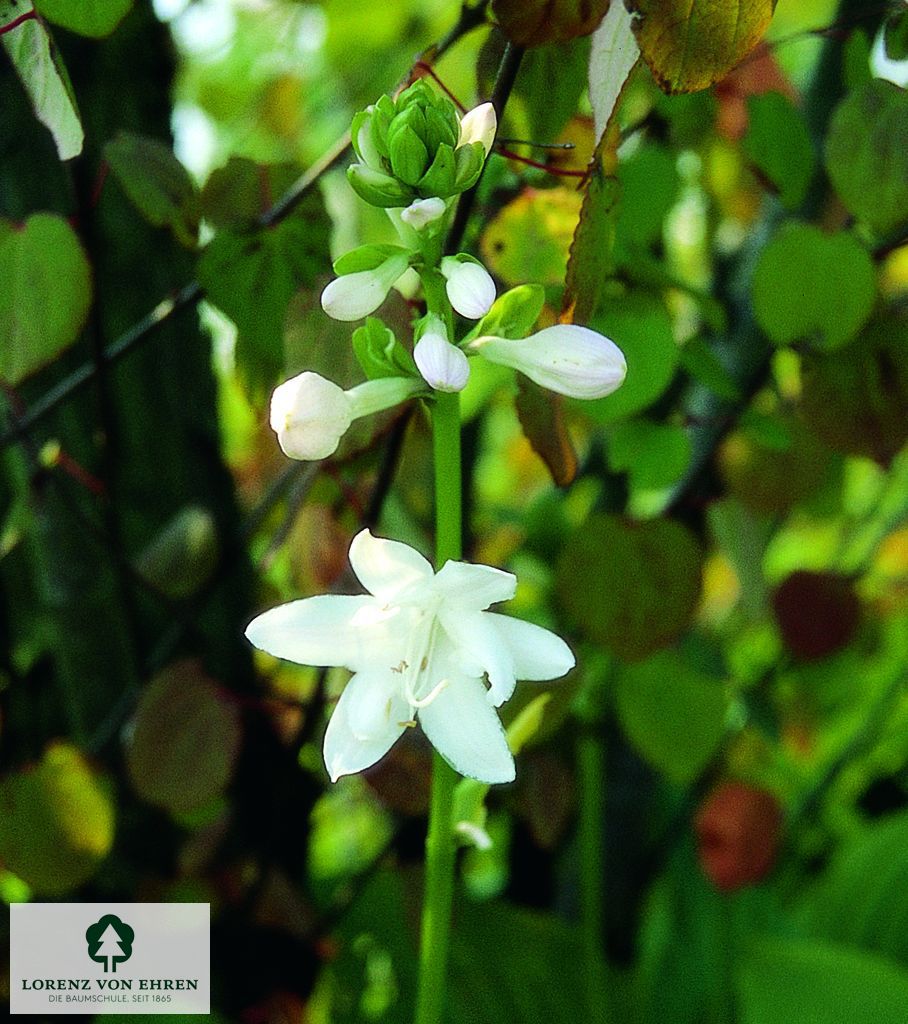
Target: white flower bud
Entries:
(470, 287)
(310, 415)
(479, 125)
(568, 359)
(423, 211)
(354, 296)
(444, 366)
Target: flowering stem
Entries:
(440, 845)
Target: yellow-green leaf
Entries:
(689, 44)
(56, 821)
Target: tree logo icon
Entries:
(109, 942)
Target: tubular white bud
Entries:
(470, 287)
(444, 366)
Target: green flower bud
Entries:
(439, 130)
(379, 189)
(439, 178)
(468, 161)
(409, 155)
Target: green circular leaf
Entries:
(812, 286)
(46, 293)
(630, 586)
(867, 154)
(185, 740)
(56, 821)
(672, 713)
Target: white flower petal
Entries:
(568, 359)
(368, 719)
(464, 728)
(475, 634)
(470, 287)
(538, 653)
(443, 366)
(479, 125)
(474, 587)
(353, 632)
(353, 296)
(387, 567)
(423, 211)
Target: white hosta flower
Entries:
(422, 212)
(568, 359)
(479, 125)
(469, 285)
(310, 414)
(419, 645)
(443, 366)
(355, 296)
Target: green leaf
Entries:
(156, 183)
(251, 276)
(630, 586)
(46, 293)
(237, 194)
(689, 44)
(534, 22)
(672, 713)
(654, 455)
(782, 980)
(184, 742)
(856, 399)
(810, 286)
(640, 326)
(861, 898)
(778, 143)
(40, 67)
(867, 154)
(95, 18)
(56, 821)
(591, 258)
(513, 314)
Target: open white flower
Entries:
(311, 414)
(567, 358)
(419, 645)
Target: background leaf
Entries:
(46, 293)
(867, 154)
(811, 286)
(689, 44)
(94, 18)
(40, 67)
(533, 22)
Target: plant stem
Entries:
(440, 846)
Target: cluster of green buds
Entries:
(418, 148)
